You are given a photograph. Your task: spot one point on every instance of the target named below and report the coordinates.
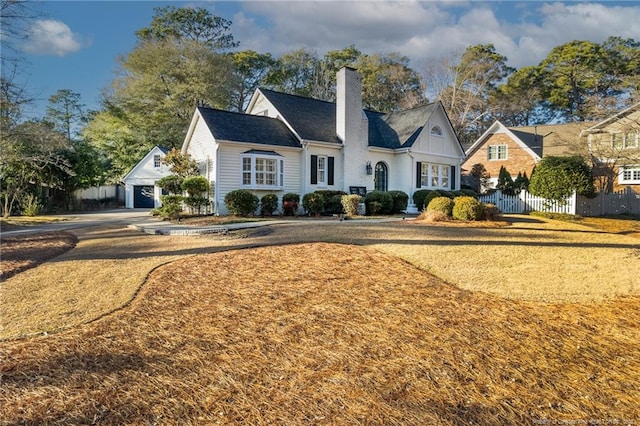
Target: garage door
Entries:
(143, 197)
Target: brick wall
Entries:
(518, 160)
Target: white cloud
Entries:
(422, 30)
(51, 37)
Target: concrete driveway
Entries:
(81, 220)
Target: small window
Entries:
(629, 175)
(497, 152)
(157, 161)
(436, 131)
(617, 140)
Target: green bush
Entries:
(195, 185)
(350, 204)
(467, 208)
(171, 184)
(419, 197)
(30, 205)
(400, 201)
(383, 202)
(431, 195)
(268, 204)
(332, 200)
(441, 204)
(290, 203)
(241, 202)
(313, 203)
(171, 206)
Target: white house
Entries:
(141, 190)
(286, 143)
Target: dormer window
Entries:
(436, 131)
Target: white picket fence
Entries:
(524, 202)
(621, 202)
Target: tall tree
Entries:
(572, 75)
(66, 112)
(517, 101)
(388, 83)
(174, 68)
(472, 82)
(250, 69)
(293, 72)
(324, 76)
(185, 23)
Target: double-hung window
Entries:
(322, 170)
(262, 170)
(434, 176)
(497, 152)
(157, 161)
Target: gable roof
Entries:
(240, 127)
(144, 159)
(315, 120)
(599, 126)
(312, 119)
(557, 139)
(530, 143)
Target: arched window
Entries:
(380, 179)
(436, 130)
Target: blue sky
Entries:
(75, 45)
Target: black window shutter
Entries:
(330, 171)
(314, 170)
(418, 174)
(452, 178)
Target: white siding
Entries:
(145, 174)
(230, 171)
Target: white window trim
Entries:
(436, 131)
(443, 175)
(279, 172)
(634, 170)
(321, 172)
(497, 148)
(159, 158)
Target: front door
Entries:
(380, 178)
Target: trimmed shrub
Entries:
(196, 203)
(290, 203)
(400, 201)
(490, 212)
(350, 204)
(268, 204)
(332, 200)
(431, 195)
(441, 204)
(171, 206)
(378, 202)
(195, 185)
(171, 183)
(419, 197)
(241, 202)
(313, 203)
(467, 208)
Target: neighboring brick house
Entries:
(614, 146)
(519, 149)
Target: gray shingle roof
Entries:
(239, 127)
(312, 119)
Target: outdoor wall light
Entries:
(369, 168)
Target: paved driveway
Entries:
(82, 220)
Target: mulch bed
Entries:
(327, 334)
(27, 251)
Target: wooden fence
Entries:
(100, 193)
(620, 202)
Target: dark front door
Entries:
(380, 178)
(143, 197)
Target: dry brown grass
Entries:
(324, 333)
(27, 251)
